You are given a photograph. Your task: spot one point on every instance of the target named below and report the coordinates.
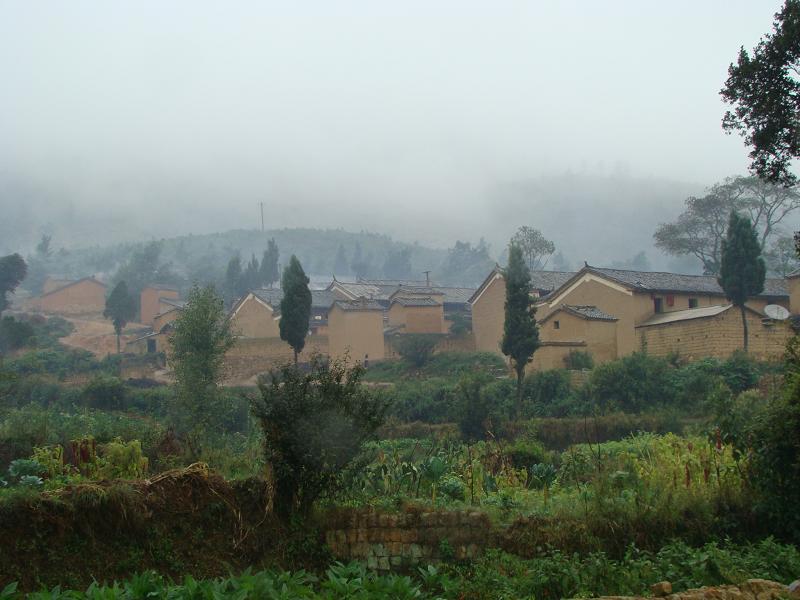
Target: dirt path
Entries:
(96, 335)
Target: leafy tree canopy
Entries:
(536, 249)
(12, 271)
(764, 92)
(120, 308)
(295, 306)
(702, 226)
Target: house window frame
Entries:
(658, 305)
(693, 303)
(556, 324)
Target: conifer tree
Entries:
(295, 306)
(340, 266)
(742, 269)
(233, 278)
(269, 263)
(520, 331)
(120, 308)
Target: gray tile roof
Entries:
(685, 315)
(676, 282)
(547, 281)
(359, 305)
(320, 299)
(418, 301)
(589, 312)
(381, 290)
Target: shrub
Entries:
(105, 392)
(740, 372)
(546, 390)
(579, 360)
(122, 460)
(524, 453)
(475, 407)
(314, 425)
(416, 349)
(14, 334)
(632, 383)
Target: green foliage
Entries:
(12, 271)
(122, 460)
(632, 383)
(199, 341)
(742, 269)
(442, 365)
(546, 391)
(398, 264)
(143, 267)
(269, 264)
(520, 331)
(295, 306)
(120, 308)
(465, 264)
(535, 247)
(416, 349)
(579, 360)
(461, 324)
(314, 425)
(476, 408)
(763, 90)
(105, 392)
(14, 334)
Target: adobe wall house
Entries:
(355, 329)
(632, 297)
(84, 296)
(150, 301)
(257, 313)
(575, 327)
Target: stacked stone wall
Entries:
(402, 541)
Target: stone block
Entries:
(372, 562)
(661, 589)
(427, 519)
(383, 563)
(361, 535)
(383, 520)
(416, 551)
(396, 561)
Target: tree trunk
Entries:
(744, 326)
(295, 357)
(118, 350)
(520, 375)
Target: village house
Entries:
(81, 297)
(257, 313)
(356, 330)
(153, 300)
(637, 301)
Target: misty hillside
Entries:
(602, 220)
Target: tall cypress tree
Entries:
(742, 270)
(269, 263)
(520, 330)
(295, 306)
(120, 308)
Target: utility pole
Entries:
(427, 277)
(262, 216)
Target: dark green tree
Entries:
(269, 264)
(143, 267)
(465, 264)
(43, 249)
(742, 269)
(360, 265)
(764, 91)
(295, 306)
(251, 276)
(12, 271)
(120, 308)
(520, 330)
(314, 425)
(201, 337)
(340, 266)
(417, 348)
(398, 264)
(233, 279)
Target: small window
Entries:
(658, 305)
(692, 302)
(556, 325)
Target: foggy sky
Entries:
(398, 117)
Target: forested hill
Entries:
(204, 258)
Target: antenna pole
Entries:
(262, 216)
(427, 277)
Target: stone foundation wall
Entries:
(402, 541)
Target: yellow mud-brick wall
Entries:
(717, 336)
(252, 356)
(425, 319)
(149, 305)
(85, 297)
(599, 337)
(254, 320)
(355, 333)
(164, 318)
(488, 314)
